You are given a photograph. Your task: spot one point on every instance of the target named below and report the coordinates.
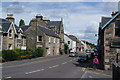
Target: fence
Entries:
(116, 71)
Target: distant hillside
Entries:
(91, 45)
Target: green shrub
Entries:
(38, 52)
(9, 55)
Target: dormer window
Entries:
(10, 34)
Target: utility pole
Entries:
(36, 33)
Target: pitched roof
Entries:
(25, 27)
(6, 24)
(54, 23)
(105, 20)
(114, 17)
(73, 37)
(48, 31)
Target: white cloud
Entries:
(111, 0)
(60, 0)
(79, 19)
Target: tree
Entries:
(66, 48)
(21, 23)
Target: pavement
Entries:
(54, 68)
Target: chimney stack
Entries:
(46, 19)
(39, 17)
(10, 18)
(113, 13)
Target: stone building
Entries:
(10, 33)
(40, 36)
(57, 28)
(109, 39)
(1, 38)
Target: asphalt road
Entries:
(50, 67)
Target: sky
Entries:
(80, 18)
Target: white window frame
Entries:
(10, 33)
(49, 39)
(38, 39)
(54, 40)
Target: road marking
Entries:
(100, 70)
(83, 69)
(34, 71)
(55, 66)
(50, 67)
(8, 77)
(99, 73)
(83, 76)
(90, 76)
(64, 63)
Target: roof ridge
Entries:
(110, 20)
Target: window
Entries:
(49, 39)
(10, 46)
(10, 33)
(117, 28)
(68, 42)
(54, 40)
(19, 35)
(39, 38)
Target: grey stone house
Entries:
(57, 27)
(1, 38)
(109, 39)
(10, 33)
(38, 35)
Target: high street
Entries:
(49, 67)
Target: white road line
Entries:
(34, 71)
(100, 70)
(50, 67)
(90, 76)
(8, 77)
(64, 63)
(83, 76)
(54, 66)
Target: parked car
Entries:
(83, 58)
(73, 54)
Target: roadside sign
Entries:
(111, 54)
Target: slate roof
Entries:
(25, 27)
(73, 37)
(105, 20)
(48, 31)
(54, 23)
(6, 24)
(114, 17)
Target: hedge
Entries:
(18, 54)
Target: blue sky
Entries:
(80, 18)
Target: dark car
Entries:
(83, 58)
(73, 54)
